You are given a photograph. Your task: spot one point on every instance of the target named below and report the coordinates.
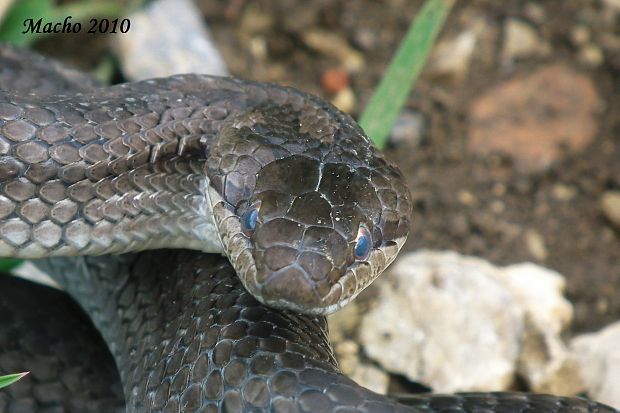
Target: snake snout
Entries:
(299, 265)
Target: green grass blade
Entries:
(13, 24)
(10, 379)
(395, 86)
(7, 264)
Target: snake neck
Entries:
(199, 341)
(112, 171)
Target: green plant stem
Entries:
(404, 69)
(10, 379)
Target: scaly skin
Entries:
(179, 162)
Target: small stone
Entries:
(563, 192)
(362, 373)
(451, 58)
(544, 360)
(409, 127)
(535, 12)
(332, 45)
(334, 80)
(610, 203)
(521, 40)
(345, 100)
(347, 355)
(591, 55)
(599, 357)
(536, 244)
(369, 376)
(533, 128)
(612, 5)
(466, 198)
(580, 35)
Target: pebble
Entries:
(563, 192)
(591, 56)
(610, 204)
(334, 80)
(536, 244)
(345, 100)
(522, 40)
(599, 358)
(451, 58)
(409, 127)
(332, 45)
(516, 120)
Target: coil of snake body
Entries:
(288, 188)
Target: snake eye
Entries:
(363, 243)
(250, 218)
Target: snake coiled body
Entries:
(306, 210)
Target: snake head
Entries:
(308, 210)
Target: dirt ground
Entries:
(503, 206)
(485, 205)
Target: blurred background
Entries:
(510, 140)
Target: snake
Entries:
(201, 228)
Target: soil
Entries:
(484, 206)
(480, 205)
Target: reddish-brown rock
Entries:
(537, 118)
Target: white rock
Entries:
(444, 320)
(167, 37)
(458, 323)
(452, 57)
(612, 5)
(544, 361)
(599, 357)
(610, 203)
(521, 40)
(367, 375)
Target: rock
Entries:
(343, 325)
(409, 127)
(610, 203)
(563, 192)
(451, 57)
(612, 5)
(332, 45)
(439, 315)
(521, 40)
(536, 244)
(345, 100)
(371, 377)
(167, 37)
(591, 55)
(458, 323)
(367, 375)
(544, 360)
(334, 80)
(533, 128)
(599, 357)
(4, 7)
